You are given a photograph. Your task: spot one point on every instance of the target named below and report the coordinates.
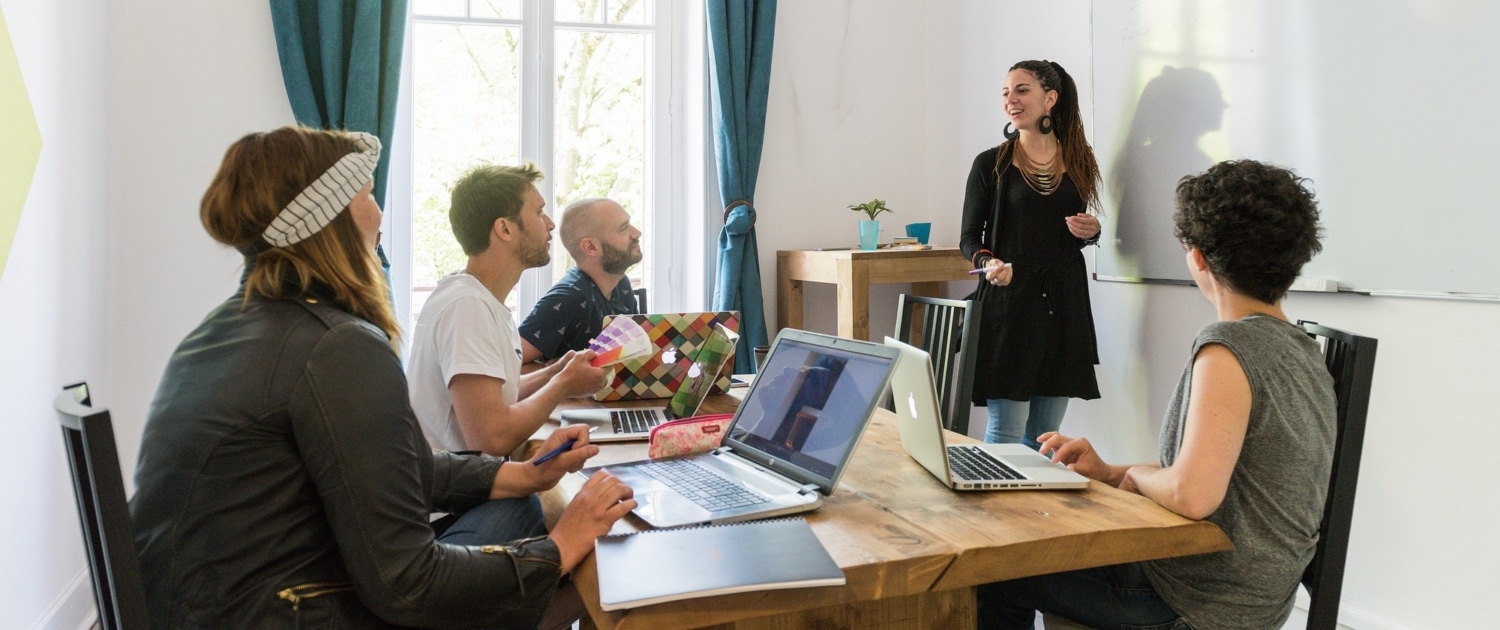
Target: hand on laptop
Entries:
(577, 376)
(601, 502)
(1079, 456)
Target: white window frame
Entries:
(684, 177)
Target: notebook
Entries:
(666, 565)
(711, 359)
(963, 466)
(787, 445)
(677, 337)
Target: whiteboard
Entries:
(1390, 107)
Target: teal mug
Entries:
(919, 230)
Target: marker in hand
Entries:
(563, 448)
(975, 272)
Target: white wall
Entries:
(52, 309)
(893, 99)
(186, 79)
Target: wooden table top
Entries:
(896, 530)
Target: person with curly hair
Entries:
(1247, 442)
(1025, 223)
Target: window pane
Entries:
(576, 11)
(466, 111)
(503, 9)
(629, 11)
(600, 127)
(441, 8)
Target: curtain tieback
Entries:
(735, 204)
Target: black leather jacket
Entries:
(284, 482)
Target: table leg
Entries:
(788, 303)
(854, 300)
(927, 289)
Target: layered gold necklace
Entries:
(1040, 176)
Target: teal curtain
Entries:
(740, 33)
(341, 63)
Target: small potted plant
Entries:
(869, 230)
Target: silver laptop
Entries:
(963, 466)
(787, 445)
(635, 423)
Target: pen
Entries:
(975, 272)
(559, 450)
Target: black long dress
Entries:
(1037, 335)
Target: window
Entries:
(605, 96)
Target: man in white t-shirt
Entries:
(465, 367)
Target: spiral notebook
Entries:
(666, 565)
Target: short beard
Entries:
(616, 261)
(533, 253)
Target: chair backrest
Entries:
(103, 514)
(1351, 360)
(640, 301)
(949, 331)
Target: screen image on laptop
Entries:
(809, 403)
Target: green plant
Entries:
(871, 207)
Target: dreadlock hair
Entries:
(1067, 123)
(262, 173)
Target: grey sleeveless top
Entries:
(1275, 498)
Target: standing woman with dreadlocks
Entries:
(1025, 223)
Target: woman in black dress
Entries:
(1025, 223)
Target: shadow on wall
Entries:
(1176, 109)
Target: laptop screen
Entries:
(811, 401)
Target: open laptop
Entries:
(787, 445)
(709, 361)
(676, 337)
(963, 466)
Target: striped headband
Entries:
(324, 199)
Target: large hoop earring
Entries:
(1010, 134)
(1045, 124)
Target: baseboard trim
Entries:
(73, 608)
(1350, 618)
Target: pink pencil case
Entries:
(688, 435)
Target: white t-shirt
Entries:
(463, 329)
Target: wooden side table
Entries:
(853, 271)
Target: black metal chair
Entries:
(103, 514)
(949, 332)
(1351, 360)
(640, 301)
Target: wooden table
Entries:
(853, 271)
(912, 550)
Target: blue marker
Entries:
(563, 448)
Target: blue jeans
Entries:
(1013, 421)
(496, 522)
(1106, 598)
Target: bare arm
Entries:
(529, 353)
(1218, 416)
(535, 380)
(496, 428)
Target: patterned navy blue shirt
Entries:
(572, 312)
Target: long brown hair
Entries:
(1067, 123)
(262, 173)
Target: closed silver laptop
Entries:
(963, 466)
(787, 445)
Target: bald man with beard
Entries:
(598, 234)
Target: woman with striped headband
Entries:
(283, 479)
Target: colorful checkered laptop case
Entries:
(677, 337)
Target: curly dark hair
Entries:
(1255, 223)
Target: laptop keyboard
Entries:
(971, 463)
(710, 491)
(633, 420)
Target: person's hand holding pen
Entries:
(563, 452)
(1083, 225)
(995, 272)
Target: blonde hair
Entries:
(260, 174)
